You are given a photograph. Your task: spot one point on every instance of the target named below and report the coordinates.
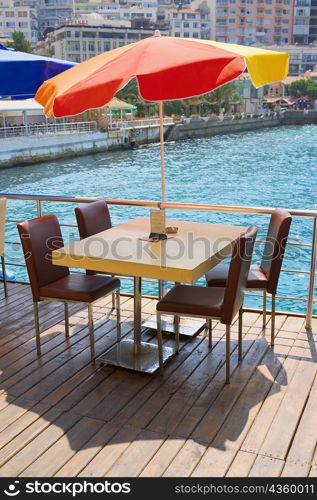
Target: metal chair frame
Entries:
(116, 294)
(209, 319)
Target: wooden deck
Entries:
(59, 416)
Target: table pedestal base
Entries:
(188, 327)
(123, 355)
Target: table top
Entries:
(123, 250)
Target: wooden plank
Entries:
(266, 467)
(301, 453)
(209, 374)
(137, 455)
(85, 455)
(27, 435)
(263, 420)
(108, 455)
(162, 458)
(241, 465)
(63, 449)
(225, 445)
(29, 453)
(40, 382)
(22, 423)
(186, 459)
(277, 443)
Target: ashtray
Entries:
(171, 229)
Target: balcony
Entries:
(62, 416)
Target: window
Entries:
(285, 11)
(186, 34)
(10, 13)
(22, 13)
(284, 30)
(191, 16)
(195, 35)
(10, 25)
(268, 11)
(91, 46)
(285, 21)
(177, 34)
(232, 21)
(186, 25)
(23, 24)
(267, 30)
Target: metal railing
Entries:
(48, 129)
(310, 214)
(140, 123)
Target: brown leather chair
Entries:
(92, 218)
(50, 282)
(212, 302)
(263, 277)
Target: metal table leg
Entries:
(133, 354)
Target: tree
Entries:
(19, 42)
(222, 96)
(303, 87)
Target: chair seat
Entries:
(200, 301)
(218, 277)
(80, 287)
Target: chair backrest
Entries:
(39, 237)
(2, 224)
(92, 218)
(274, 249)
(238, 275)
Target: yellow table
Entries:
(123, 250)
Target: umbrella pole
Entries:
(162, 150)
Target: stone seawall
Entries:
(37, 148)
(213, 126)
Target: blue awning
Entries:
(21, 74)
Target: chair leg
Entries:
(91, 333)
(273, 321)
(117, 296)
(176, 333)
(5, 285)
(37, 328)
(227, 354)
(264, 309)
(113, 301)
(240, 335)
(159, 342)
(66, 320)
(209, 324)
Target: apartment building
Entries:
(77, 42)
(246, 22)
(53, 12)
(188, 23)
(18, 17)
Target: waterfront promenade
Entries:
(15, 149)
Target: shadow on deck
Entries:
(60, 416)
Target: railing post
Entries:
(38, 208)
(311, 290)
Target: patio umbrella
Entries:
(23, 73)
(166, 68)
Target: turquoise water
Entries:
(270, 167)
